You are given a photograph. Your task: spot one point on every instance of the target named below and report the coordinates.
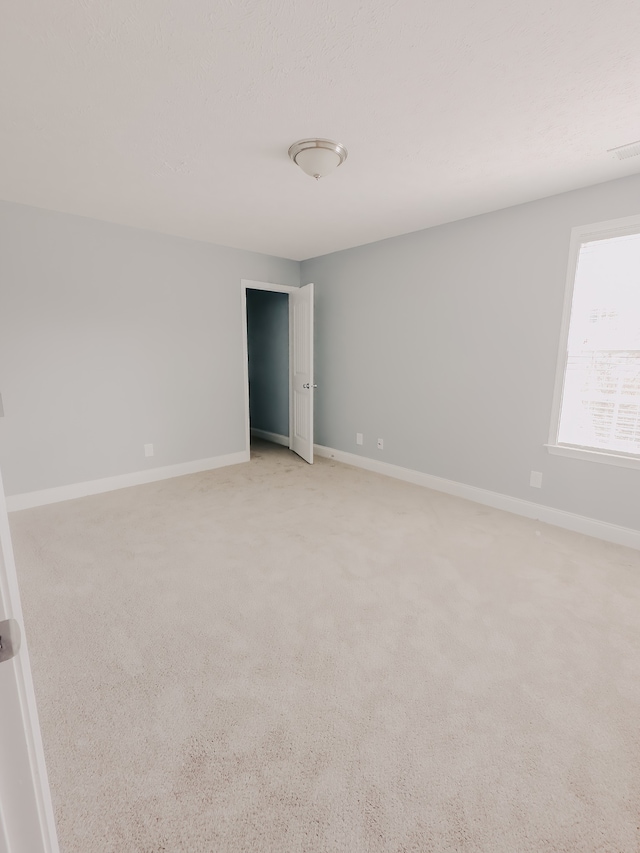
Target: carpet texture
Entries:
(292, 659)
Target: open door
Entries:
(301, 332)
(26, 814)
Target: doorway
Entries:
(277, 331)
(268, 356)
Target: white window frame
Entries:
(579, 235)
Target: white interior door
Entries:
(26, 814)
(301, 428)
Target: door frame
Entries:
(247, 284)
(24, 682)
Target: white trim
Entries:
(26, 693)
(568, 520)
(121, 481)
(589, 455)
(579, 235)
(621, 227)
(561, 362)
(245, 366)
(35, 746)
(265, 285)
(291, 423)
(247, 284)
(275, 437)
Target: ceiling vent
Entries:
(624, 151)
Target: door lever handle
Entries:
(306, 385)
(9, 639)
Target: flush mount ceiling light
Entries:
(317, 157)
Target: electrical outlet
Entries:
(380, 444)
(148, 450)
(359, 438)
(536, 479)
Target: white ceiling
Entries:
(177, 116)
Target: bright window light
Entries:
(600, 400)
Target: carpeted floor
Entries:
(279, 658)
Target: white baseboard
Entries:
(558, 517)
(122, 481)
(275, 437)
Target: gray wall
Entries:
(268, 345)
(444, 343)
(112, 337)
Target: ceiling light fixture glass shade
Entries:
(317, 157)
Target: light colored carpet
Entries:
(278, 657)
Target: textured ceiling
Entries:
(177, 116)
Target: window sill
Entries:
(594, 455)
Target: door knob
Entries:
(306, 385)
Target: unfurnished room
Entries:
(319, 427)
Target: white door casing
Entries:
(302, 387)
(300, 364)
(26, 812)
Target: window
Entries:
(597, 404)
